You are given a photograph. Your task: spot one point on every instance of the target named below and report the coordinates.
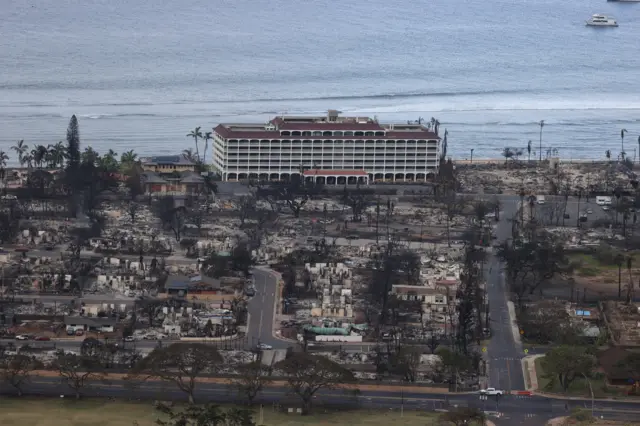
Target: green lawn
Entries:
(590, 266)
(99, 412)
(579, 387)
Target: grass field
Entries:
(591, 266)
(97, 412)
(579, 387)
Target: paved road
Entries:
(517, 410)
(261, 311)
(502, 352)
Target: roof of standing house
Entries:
(176, 160)
(415, 289)
(192, 178)
(90, 321)
(183, 282)
(150, 177)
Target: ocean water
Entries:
(140, 74)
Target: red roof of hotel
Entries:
(317, 172)
(226, 132)
(328, 125)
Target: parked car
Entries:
(43, 338)
(22, 337)
(264, 346)
(129, 339)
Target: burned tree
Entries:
(16, 370)
(246, 206)
(77, 370)
(251, 379)
(452, 205)
(358, 199)
(531, 263)
(179, 363)
(172, 217)
(133, 208)
(294, 193)
(307, 374)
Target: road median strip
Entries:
(276, 383)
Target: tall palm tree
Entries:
(195, 134)
(608, 154)
(22, 148)
(622, 132)
(529, 150)
(207, 137)
(541, 124)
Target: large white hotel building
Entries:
(334, 149)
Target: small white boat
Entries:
(598, 20)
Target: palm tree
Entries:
(3, 163)
(39, 154)
(188, 154)
(529, 150)
(195, 134)
(21, 149)
(541, 124)
(608, 154)
(109, 161)
(27, 158)
(128, 157)
(207, 137)
(57, 154)
(638, 149)
(622, 132)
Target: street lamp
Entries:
(471, 155)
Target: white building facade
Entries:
(275, 151)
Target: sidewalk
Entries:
(529, 371)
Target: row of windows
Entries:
(329, 150)
(330, 133)
(328, 141)
(320, 154)
(295, 170)
(290, 157)
(336, 165)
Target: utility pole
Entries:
(541, 126)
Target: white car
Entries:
(264, 346)
(491, 392)
(589, 211)
(22, 337)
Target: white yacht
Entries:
(598, 20)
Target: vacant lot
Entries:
(95, 412)
(601, 277)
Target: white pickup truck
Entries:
(491, 391)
